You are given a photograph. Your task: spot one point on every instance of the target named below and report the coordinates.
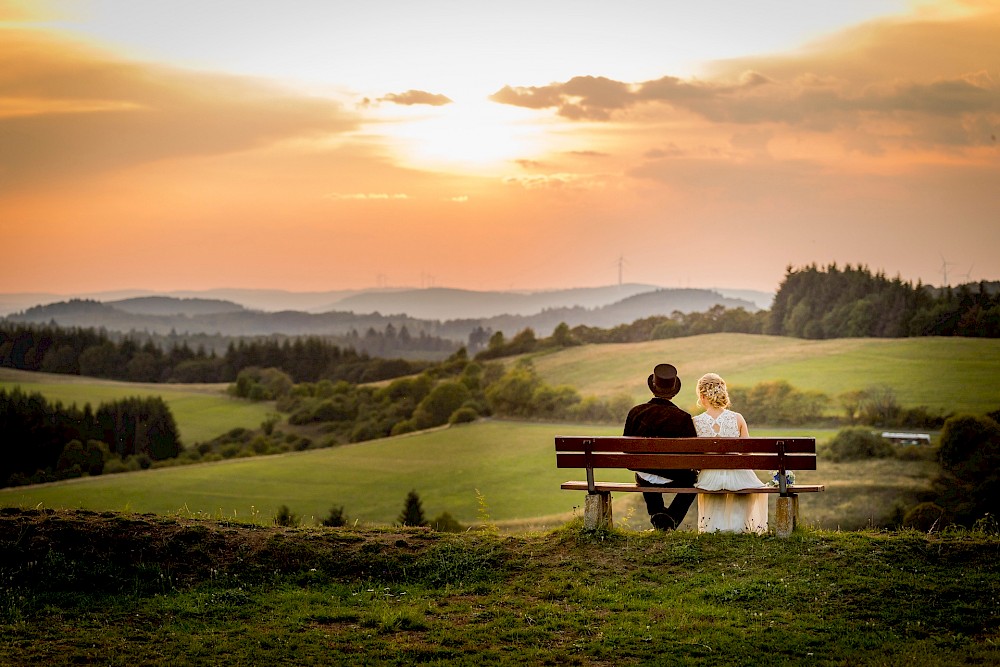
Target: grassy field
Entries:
(122, 590)
(950, 374)
(504, 471)
(202, 411)
(508, 466)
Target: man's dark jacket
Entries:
(659, 418)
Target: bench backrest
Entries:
(798, 453)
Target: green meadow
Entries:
(950, 374)
(503, 471)
(202, 411)
(509, 466)
(489, 472)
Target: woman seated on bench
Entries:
(730, 512)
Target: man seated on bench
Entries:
(660, 418)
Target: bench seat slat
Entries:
(800, 445)
(627, 487)
(685, 461)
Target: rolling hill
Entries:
(445, 312)
(506, 469)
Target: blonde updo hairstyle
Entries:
(712, 392)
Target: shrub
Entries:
(924, 517)
(446, 523)
(511, 395)
(463, 415)
(969, 453)
(436, 408)
(857, 443)
(336, 518)
(969, 442)
(285, 517)
(777, 403)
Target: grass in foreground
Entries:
(124, 589)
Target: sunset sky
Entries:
(307, 146)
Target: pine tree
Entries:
(413, 511)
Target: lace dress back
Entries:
(727, 512)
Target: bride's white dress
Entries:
(728, 512)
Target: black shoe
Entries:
(663, 522)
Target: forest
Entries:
(855, 303)
(69, 441)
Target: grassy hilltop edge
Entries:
(124, 589)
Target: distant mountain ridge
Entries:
(430, 303)
(166, 305)
(215, 316)
(439, 303)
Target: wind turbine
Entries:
(621, 268)
(944, 271)
(968, 274)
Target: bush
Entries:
(969, 484)
(969, 444)
(284, 517)
(778, 403)
(438, 406)
(924, 517)
(446, 523)
(336, 518)
(858, 443)
(464, 415)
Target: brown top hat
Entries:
(664, 382)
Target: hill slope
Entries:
(941, 373)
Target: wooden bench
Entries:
(633, 453)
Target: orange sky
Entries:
(191, 145)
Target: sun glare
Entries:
(477, 136)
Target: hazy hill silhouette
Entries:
(540, 311)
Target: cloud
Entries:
(922, 81)
(67, 109)
(412, 97)
(559, 181)
(597, 154)
(366, 196)
(580, 98)
(597, 98)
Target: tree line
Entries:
(94, 353)
(461, 390)
(853, 302)
(810, 303)
(45, 441)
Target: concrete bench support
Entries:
(597, 511)
(786, 515)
